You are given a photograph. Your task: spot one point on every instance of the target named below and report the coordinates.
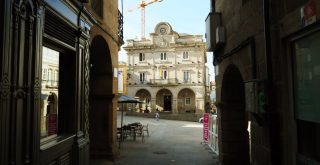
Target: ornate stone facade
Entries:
(168, 71)
(58, 109)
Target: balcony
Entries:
(50, 83)
(120, 26)
(170, 81)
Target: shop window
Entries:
(49, 96)
(57, 98)
(307, 77)
(306, 91)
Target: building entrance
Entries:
(167, 103)
(101, 107)
(233, 120)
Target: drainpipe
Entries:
(272, 117)
(213, 6)
(267, 36)
(122, 8)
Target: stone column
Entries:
(199, 105)
(153, 104)
(175, 105)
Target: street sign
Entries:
(206, 126)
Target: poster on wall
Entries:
(120, 81)
(52, 124)
(308, 13)
(205, 127)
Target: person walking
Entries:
(157, 116)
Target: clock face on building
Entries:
(163, 30)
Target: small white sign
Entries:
(120, 81)
(115, 72)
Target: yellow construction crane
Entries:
(142, 6)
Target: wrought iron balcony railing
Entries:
(50, 83)
(120, 21)
(170, 81)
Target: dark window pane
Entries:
(308, 141)
(307, 77)
(292, 5)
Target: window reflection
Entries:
(306, 93)
(49, 92)
(307, 77)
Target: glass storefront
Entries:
(49, 92)
(307, 78)
(306, 92)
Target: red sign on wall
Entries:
(309, 13)
(205, 126)
(52, 124)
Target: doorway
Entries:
(167, 105)
(233, 129)
(101, 107)
(164, 100)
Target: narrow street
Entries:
(169, 142)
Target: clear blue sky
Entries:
(185, 16)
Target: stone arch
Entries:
(164, 101)
(163, 24)
(186, 101)
(233, 133)
(100, 98)
(145, 96)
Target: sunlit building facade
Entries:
(122, 78)
(49, 92)
(167, 71)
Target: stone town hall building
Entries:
(168, 71)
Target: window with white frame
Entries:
(141, 57)
(185, 55)
(188, 101)
(50, 73)
(142, 77)
(186, 76)
(56, 77)
(44, 74)
(163, 56)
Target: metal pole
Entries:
(121, 135)
(122, 7)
